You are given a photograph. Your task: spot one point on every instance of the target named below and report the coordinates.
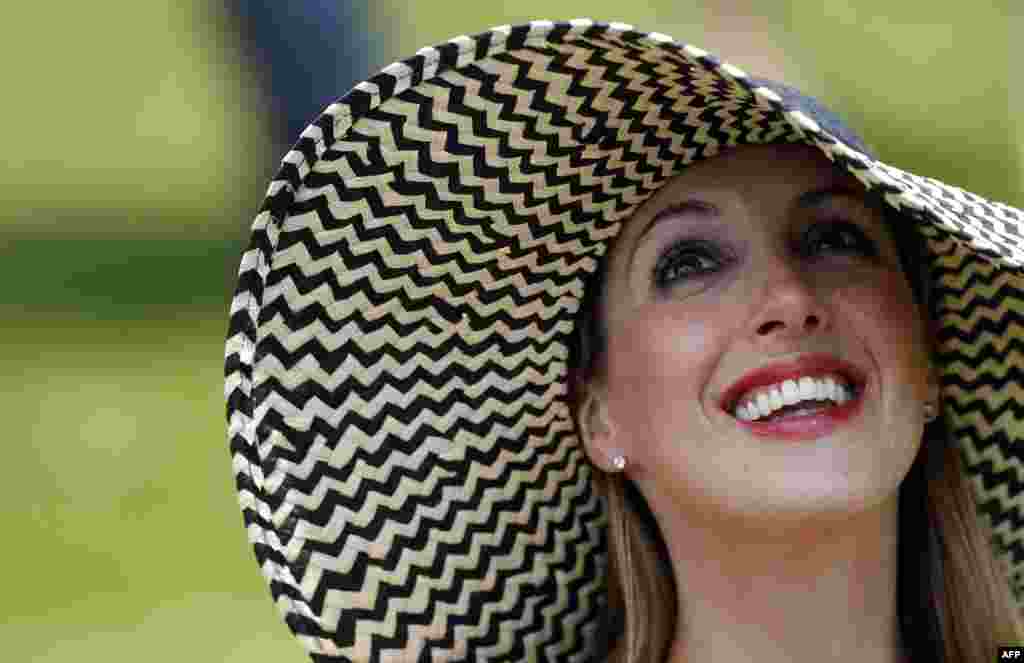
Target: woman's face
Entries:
(759, 255)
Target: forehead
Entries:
(769, 174)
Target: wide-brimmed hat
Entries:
(407, 463)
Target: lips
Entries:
(811, 365)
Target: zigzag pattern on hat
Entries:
(981, 342)
(406, 462)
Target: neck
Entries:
(809, 590)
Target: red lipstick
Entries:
(803, 427)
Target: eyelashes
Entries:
(689, 259)
(859, 241)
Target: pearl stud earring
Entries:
(619, 462)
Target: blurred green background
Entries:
(139, 138)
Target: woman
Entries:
(502, 360)
(786, 540)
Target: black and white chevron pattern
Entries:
(406, 464)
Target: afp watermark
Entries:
(1011, 654)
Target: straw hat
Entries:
(406, 460)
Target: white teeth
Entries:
(808, 388)
(790, 392)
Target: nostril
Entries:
(767, 327)
(810, 324)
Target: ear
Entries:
(597, 430)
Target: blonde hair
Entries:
(954, 598)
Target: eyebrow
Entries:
(692, 206)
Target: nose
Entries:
(790, 305)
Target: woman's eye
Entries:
(842, 236)
(683, 260)
(689, 259)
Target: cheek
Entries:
(659, 363)
(889, 321)
(886, 306)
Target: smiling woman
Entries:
(569, 342)
(813, 286)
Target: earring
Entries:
(930, 411)
(619, 462)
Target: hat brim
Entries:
(396, 362)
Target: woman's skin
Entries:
(782, 551)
